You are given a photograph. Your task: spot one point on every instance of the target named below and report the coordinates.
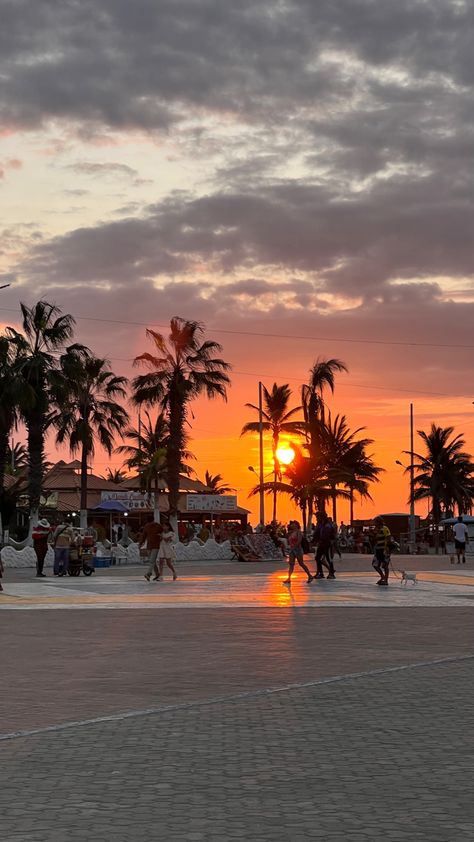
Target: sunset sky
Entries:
(298, 175)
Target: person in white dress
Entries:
(167, 552)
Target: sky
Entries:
(296, 175)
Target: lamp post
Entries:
(260, 442)
(411, 469)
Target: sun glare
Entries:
(285, 455)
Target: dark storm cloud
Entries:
(368, 101)
(355, 243)
(143, 63)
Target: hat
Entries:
(43, 522)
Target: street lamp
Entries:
(411, 469)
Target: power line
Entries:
(264, 335)
(297, 337)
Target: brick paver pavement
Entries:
(386, 755)
(382, 757)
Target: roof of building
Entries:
(185, 484)
(65, 476)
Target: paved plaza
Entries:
(244, 711)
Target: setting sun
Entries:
(285, 454)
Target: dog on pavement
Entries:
(407, 577)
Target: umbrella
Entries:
(111, 506)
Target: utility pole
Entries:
(412, 526)
(260, 434)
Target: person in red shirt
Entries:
(40, 535)
(151, 535)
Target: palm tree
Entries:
(17, 459)
(116, 476)
(45, 332)
(182, 368)
(360, 470)
(89, 410)
(276, 421)
(444, 473)
(322, 375)
(215, 484)
(14, 394)
(146, 453)
(344, 457)
(305, 480)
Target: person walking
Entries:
(461, 538)
(381, 562)
(40, 535)
(295, 552)
(62, 539)
(151, 535)
(167, 552)
(324, 535)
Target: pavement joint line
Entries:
(251, 694)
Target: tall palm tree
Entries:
(90, 412)
(45, 332)
(146, 453)
(278, 419)
(12, 397)
(344, 456)
(182, 368)
(215, 484)
(14, 394)
(444, 473)
(322, 376)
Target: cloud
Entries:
(107, 170)
(145, 65)
(9, 164)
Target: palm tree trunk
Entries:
(4, 433)
(3, 459)
(176, 421)
(35, 439)
(274, 497)
(352, 507)
(84, 455)
(334, 504)
(303, 515)
(156, 511)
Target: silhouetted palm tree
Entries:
(14, 394)
(215, 484)
(182, 368)
(322, 376)
(87, 390)
(17, 459)
(276, 421)
(45, 332)
(444, 473)
(115, 475)
(344, 457)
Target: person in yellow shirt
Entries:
(381, 562)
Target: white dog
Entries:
(408, 577)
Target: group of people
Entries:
(159, 541)
(63, 539)
(324, 543)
